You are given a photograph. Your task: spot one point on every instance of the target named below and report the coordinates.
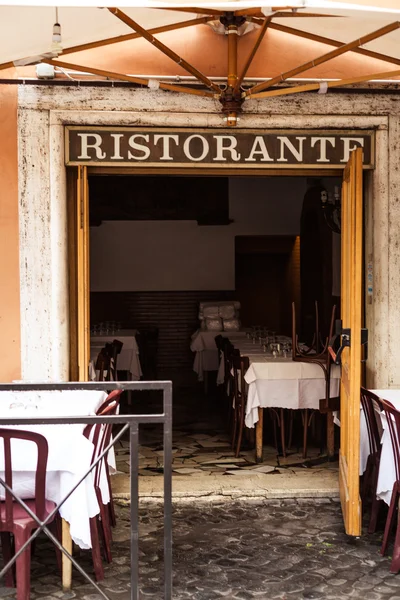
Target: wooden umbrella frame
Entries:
(232, 95)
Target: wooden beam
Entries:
(134, 36)
(260, 38)
(330, 42)
(324, 58)
(6, 65)
(121, 77)
(164, 49)
(330, 84)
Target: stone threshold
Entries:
(216, 488)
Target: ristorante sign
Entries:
(122, 146)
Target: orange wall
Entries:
(10, 346)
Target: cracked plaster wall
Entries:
(43, 111)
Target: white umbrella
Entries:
(29, 33)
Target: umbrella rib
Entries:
(329, 41)
(164, 49)
(324, 58)
(122, 77)
(330, 84)
(253, 53)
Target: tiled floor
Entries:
(201, 444)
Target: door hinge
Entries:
(344, 334)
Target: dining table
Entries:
(69, 458)
(128, 360)
(276, 381)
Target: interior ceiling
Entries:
(345, 29)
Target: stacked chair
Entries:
(317, 353)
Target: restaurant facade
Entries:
(281, 137)
(53, 137)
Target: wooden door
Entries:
(78, 232)
(352, 301)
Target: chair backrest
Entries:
(393, 423)
(113, 396)
(38, 440)
(116, 347)
(319, 345)
(103, 362)
(240, 365)
(372, 406)
(100, 434)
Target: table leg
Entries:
(66, 563)
(330, 434)
(259, 435)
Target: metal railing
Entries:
(129, 423)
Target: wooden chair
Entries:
(318, 355)
(13, 517)
(393, 423)
(116, 347)
(240, 365)
(100, 435)
(103, 364)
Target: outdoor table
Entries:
(280, 382)
(69, 458)
(128, 360)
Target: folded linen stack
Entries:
(220, 316)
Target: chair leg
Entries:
(23, 564)
(7, 552)
(389, 521)
(395, 564)
(283, 440)
(290, 430)
(106, 530)
(275, 419)
(240, 432)
(376, 503)
(113, 519)
(305, 431)
(96, 553)
(56, 528)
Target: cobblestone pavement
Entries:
(266, 549)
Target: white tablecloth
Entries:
(203, 344)
(283, 383)
(387, 470)
(128, 359)
(70, 454)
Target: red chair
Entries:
(100, 435)
(393, 424)
(372, 406)
(13, 517)
(114, 396)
